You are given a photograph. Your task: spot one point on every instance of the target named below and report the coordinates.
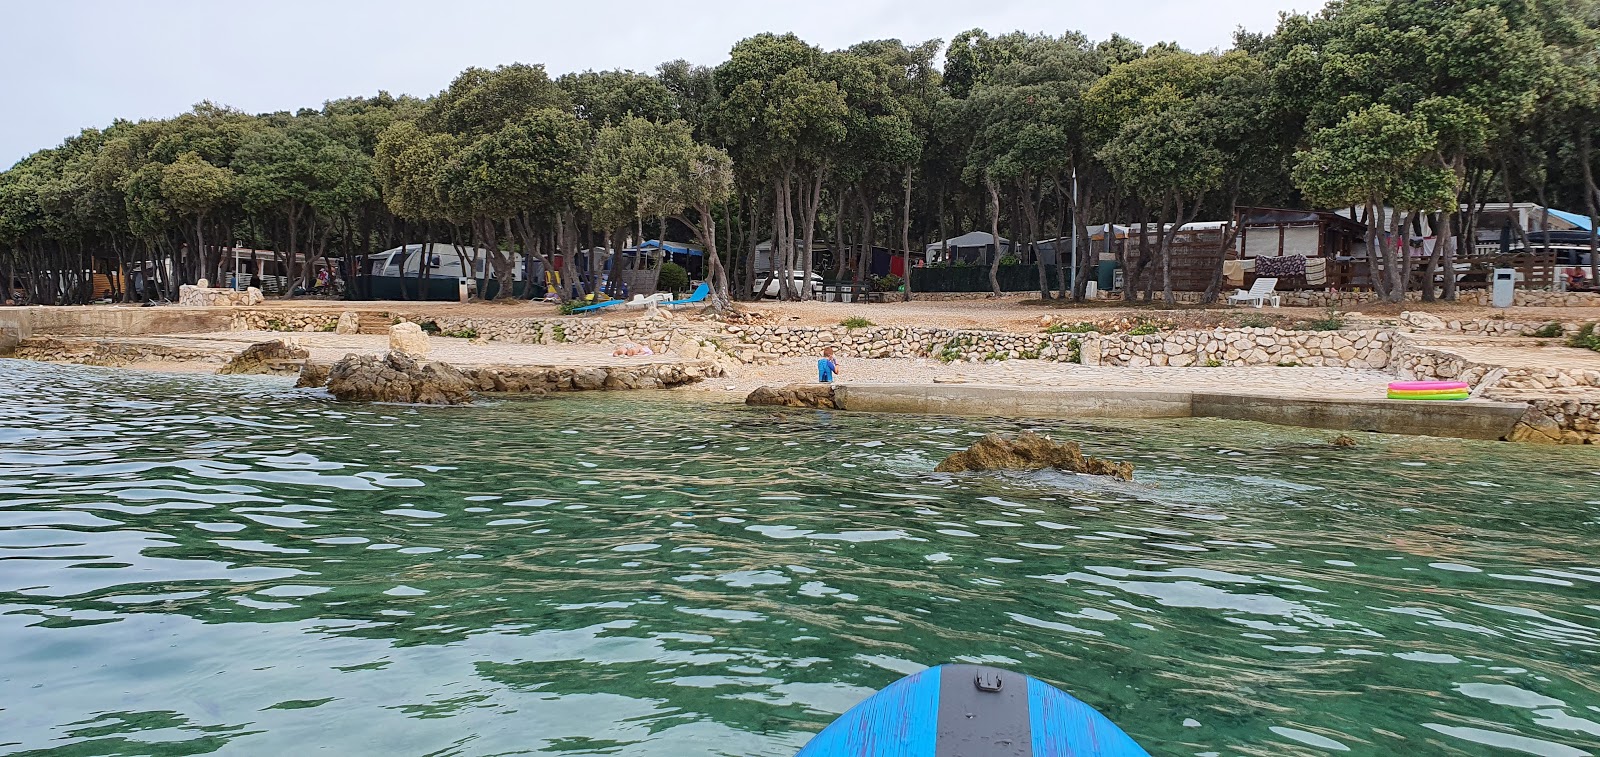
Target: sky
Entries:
(70, 64)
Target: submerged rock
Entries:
(397, 377)
(794, 395)
(272, 357)
(1029, 451)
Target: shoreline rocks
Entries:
(1029, 452)
(279, 356)
(819, 396)
(398, 377)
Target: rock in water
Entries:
(1030, 451)
(408, 338)
(276, 356)
(397, 377)
(794, 395)
(313, 375)
(349, 323)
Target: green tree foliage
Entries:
(785, 158)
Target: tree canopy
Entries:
(787, 158)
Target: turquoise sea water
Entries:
(195, 564)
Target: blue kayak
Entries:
(971, 710)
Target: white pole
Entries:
(1074, 278)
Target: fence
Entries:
(1013, 278)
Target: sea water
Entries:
(198, 564)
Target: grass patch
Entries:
(1213, 363)
(1331, 320)
(1549, 331)
(1144, 329)
(466, 333)
(1256, 321)
(1585, 338)
(1082, 327)
(856, 322)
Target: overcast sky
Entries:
(68, 64)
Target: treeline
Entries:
(1419, 105)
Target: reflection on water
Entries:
(197, 564)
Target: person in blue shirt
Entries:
(826, 367)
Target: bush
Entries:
(568, 307)
(1143, 329)
(327, 327)
(1009, 259)
(672, 278)
(276, 324)
(1076, 328)
(889, 283)
(559, 332)
(1585, 338)
(466, 333)
(1549, 330)
(856, 322)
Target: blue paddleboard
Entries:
(971, 710)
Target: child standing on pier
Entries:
(826, 367)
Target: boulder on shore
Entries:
(409, 338)
(1029, 451)
(398, 377)
(270, 357)
(794, 395)
(313, 375)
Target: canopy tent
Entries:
(973, 246)
(1580, 221)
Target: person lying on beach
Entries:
(632, 350)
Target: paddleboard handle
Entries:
(988, 679)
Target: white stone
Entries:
(349, 323)
(408, 338)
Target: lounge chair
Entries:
(597, 306)
(1260, 292)
(699, 295)
(640, 300)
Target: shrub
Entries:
(1213, 363)
(856, 322)
(889, 283)
(672, 278)
(1330, 321)
(1009, 259)
(466, 333)
(1143, 329)
(276, 324)
(558, 332)
(1585, 338)
(567, 308)
(1549, 330)
(327, 327)
(1074, 351)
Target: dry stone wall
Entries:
(285, 320)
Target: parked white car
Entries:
(772, 286)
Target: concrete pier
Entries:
(1469, 419)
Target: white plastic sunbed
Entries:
(1260, 292)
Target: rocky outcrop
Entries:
(408, 338)
(279, 356)
(1029, 451)
(542, 379)
(794, 395)
(313, 375)
(110, 353)
(397, 377)
(204, 296)
(1574, 420)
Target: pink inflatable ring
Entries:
(1429, 386)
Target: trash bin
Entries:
(1505, 283)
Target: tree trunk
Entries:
(905, 239)
(994, 231)
(1030, 218)
(1591, 202)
